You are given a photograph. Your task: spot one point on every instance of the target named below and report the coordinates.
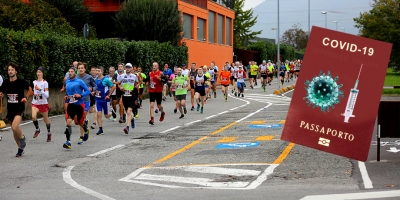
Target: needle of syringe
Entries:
(355, 86)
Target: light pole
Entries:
(336, 22)
(344, 29)
(325, 13)
(308, 18)
(278, 51)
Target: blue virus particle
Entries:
(323, 91)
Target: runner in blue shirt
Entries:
(166, 86)
(102, 95)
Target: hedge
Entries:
(31, 49)
(267, 50)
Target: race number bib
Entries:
(224, 79)
(199, 84)
(152, 85)
(128, 93)
(98, 94)
(179, 87)
(72, 99)
(37, 97)
(191, 78)
(12, 98)
(240, 77)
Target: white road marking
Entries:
(210, 116)
(171, 129)
(251, 114)
(364, 174)
(263, 177)
(191, 180)
(234, 108)
(287, 92)
(221, 170)
(222, 112)
(361, 195)
(68, 179)
(106, 150)
(193, 122)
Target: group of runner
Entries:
(100, 94)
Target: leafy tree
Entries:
(244, 20)
(151, 20)
(382, 22)
(295, 37)
(74, 11)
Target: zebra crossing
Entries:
(269, 98)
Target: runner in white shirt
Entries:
(240, 74)
(39, 102)
(120, 74)
(233, 71)
(185, 71)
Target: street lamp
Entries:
(336, 22)
(344, 29)
(325, 13)
(278, 64)
(308, 18)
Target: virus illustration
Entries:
(323, 91)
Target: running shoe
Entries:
(184, 110)
(37, 132)
(140, 106)
(100, 132)
(20, 152)
(164, 98)
(201, 111)
(114, 119)
(192, 109)
(175, 110)
(251, 87)
(198, 107)
(151, 122)
(235, 94)
(233, 91)
(156, 111)
(93, 126)
(226, 99)
(162, 116)
(242, 95)
(170, 94)
(48, 137)
(80, 141)
(22, 143)
(86, 122)
(181, 116)
(137, 114)
(121, 120)
(67, 144)
(86, 135)
(215, 95)
(133, 125)
(126, 131)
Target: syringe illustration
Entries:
(351, 102)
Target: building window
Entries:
(211, 26)
(220, 29)
(228, 31)
(187, 26)
(201, 28)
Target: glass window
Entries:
(187, 26)
(201, 28)
(211, 24)
(220, 28)
(228, 31)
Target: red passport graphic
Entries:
(337, 95)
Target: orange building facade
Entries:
(207, 28)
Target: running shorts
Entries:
(103, 106)
(201, 92)
(156, 97)
(181, 97)
(42, 108)
(76, 110)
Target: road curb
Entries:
(285, 89)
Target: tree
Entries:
(244, 20)
(295, 37)
(151, 20)
(382, 22)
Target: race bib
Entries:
(240, 77)
(199, 84)
(128, 93)
(192, 78)
(37, 97)
(98, 94)
(152, 85)
(224, 79)
(12, 98)
(179, 87)
(72, 99)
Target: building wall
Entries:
(203, 52)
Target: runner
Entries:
(200, 89)
(166, 86)
(155, 92)
(91, 84)
(193, 74)
(14, 88)
(129, 98)
(173, 88)
(185, 71)
(180, 81)
(141, 85)
(241, 75)
(271, 69)
(297, 69)
(105, 88)
(253, 74)
(39, 102)
(110, 76)
(263, 71)
(214, 75)
(76, 91)
(287, 69)
(234, 79)
(282, 73)
(291, 71)
(92, 106)
(119, 76)
(207, 83)
(224, 80)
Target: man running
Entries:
(200, 89)
(141, 85)
(193, 74)
(76, 91)
(166, 86)
(91, 84)
(155, 92)
(14, 88)
(181, 83)
(213, 79)
(234, 79)
(270, 73)
(110, 76)
(92, 106)
(253, 74)
(39, 102)
(119, 76)
(185, 71)
(129, 98)
(263, 71)
(224, 80)
(241, 75)
(105, 88)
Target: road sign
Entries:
(265, 126)
(237, 145)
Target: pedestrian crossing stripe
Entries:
(269, 98)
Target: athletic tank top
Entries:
(155, 84)
(200, 83)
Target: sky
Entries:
(296, 11)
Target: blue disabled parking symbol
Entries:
(265, 126)
(237, 145)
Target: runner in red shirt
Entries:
(155, 91)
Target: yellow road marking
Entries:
(265, 137)
(169, 156)
(282, 121)
(284, 154)
(209, 165)
(227, 139)
(213, 142)
(258, 122)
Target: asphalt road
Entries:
(231, 151)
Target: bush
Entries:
(31, 49)
(267, 50)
